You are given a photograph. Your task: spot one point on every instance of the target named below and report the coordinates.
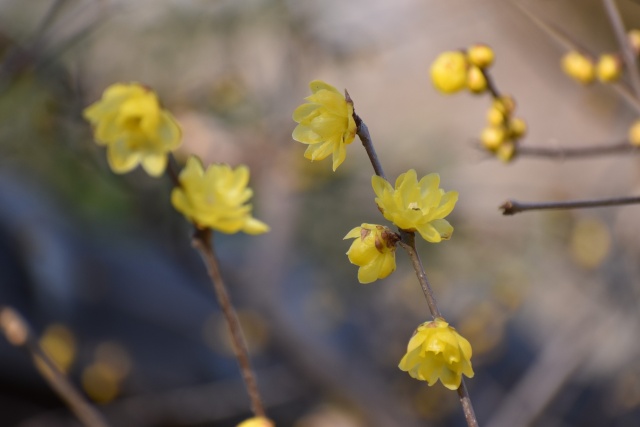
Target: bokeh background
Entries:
(101, 266)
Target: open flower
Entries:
(130, 122)
(437, 352)
(374, 251)
(257, 422)
(216, 198)
(416, 206)
(326, 123)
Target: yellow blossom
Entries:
(480, 55)
(257, 422)
(326, 123)
(578, 67)
(130, 122)
(449, 72)
(374, 251)
(216, 198)
(608, 68)
(416, 206)
(437, 352)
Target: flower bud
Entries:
(449, 72)
(506, 152)
(634, 133)
(517, 127)
(505, 104)
(480, 55)
(492, 137)
(609, 68)
(495, 117)
(634, 40)
(578, 67)
(476, 81)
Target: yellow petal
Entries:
(154, 164)
(120, 158)
(305, 135)
(318, 85)
(254, 226)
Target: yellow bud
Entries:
(492, 137)
(449, 72)
(495, 117)
(634, 40)
(634, 133)
(578, 67)
(476, 81)
(506, 152)
(480, 55)
(505, 104)
(609, 68)
(517, 127)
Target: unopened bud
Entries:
(578, 67)
(492, 137)
(476, 81)
(480, 55)
(449, 72)
(609, 68)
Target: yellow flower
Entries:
(374, 251)
(480, 55)
(449, 72)
(326, 123)
(608, 68)
(437, 352)
(416, 206)
(130, 122)
(578, 67)
(257, 422)
(216, 198)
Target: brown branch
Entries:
(363, 132)
(577, 152)
(18, 333)
(512, 207)
(202, 243)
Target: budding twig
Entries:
(512, 207)
(577, 152)
(628, 55)
(18, 333)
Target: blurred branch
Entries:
(512, 207)
(18, 333)
(577, 152)
(628, 55)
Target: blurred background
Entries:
(101, 265)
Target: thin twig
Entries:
(512, 207)
(577, 152)
(628, 55)
(18, 333)
(202, 243)
(408, 242)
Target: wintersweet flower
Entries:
(257, 422)
(416, 206)
(216, 198)
(449, 72)
(130, 122)
(437, 352)
(374, 251)
(579, 67)
(609, 68)
(326, 123)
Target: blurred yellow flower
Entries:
(634, 133)
(374, 251)
(326, 123)
(130, 122)
(578, 67)
(257, 422)
(449, 72)
(437, 352)
(416, 206)
(609, 68)
(216, 198)
(480, 55)
(476, 81)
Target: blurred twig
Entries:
(18, 333)
(512, 207)
(565, 153)
(628, 55)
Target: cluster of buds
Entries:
(503, 130)
(608, 68)
(455, 70)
